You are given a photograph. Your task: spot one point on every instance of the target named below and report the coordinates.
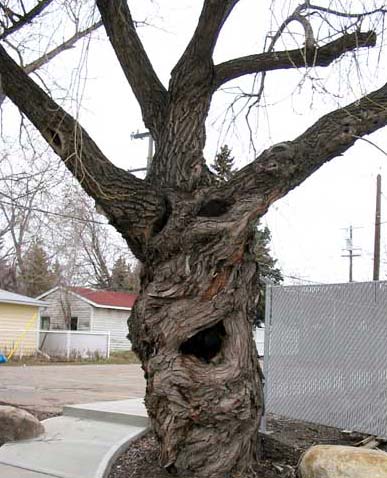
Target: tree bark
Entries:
(192, 329)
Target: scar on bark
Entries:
(218, 283)
(206, 344)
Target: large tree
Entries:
(192, 323)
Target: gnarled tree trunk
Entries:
(192, 324)
(192, 328)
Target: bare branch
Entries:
(135, 63)
(310, 42)
(300, 58)
(66, 45)
(132, 205)
(344, 14)
(284, 166)
(22, 19)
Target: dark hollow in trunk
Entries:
(206, 344)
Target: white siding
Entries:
(114, 321)
(60, 299)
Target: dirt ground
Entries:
(279, 451)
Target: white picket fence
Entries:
(71, 343)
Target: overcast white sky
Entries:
(307, 225)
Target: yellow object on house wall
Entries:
(18, 329)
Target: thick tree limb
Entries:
(24, 19)
(281, 60)
(133, 206)
(135, 63)
(284, 166)
(214, 14)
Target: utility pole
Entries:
(350, 249)
(146, 134)
(377, 227)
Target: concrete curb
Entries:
(116, 451)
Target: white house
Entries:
(83, 309)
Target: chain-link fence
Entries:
(326, 354)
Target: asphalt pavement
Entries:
(50, 387)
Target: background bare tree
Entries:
(192, 324)
(80, 245)
(88, 248)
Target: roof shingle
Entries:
(106, 297)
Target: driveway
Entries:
(49, 387)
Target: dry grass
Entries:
(126, 357)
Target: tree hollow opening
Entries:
(214, 208)
(206, 344)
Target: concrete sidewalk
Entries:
(83, 443)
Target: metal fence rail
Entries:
(326, 354)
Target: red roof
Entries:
(106, 297)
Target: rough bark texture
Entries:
(192, 323)
(192, 328)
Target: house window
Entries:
(74, 323)
(45, 323)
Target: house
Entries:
(19, 323)
(83, 309)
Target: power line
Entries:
(301, 279)
(52, 213)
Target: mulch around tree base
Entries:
(280, 450)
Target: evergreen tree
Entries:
(267, 265)
(268, 272)
(223, 164)
(121, 277)
(37, 275)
